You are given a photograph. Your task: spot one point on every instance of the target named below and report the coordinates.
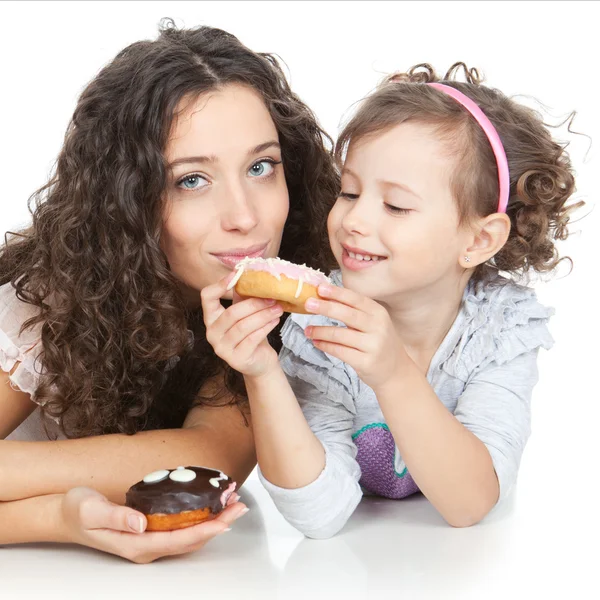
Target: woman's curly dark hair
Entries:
(541, 175)
(111, 312)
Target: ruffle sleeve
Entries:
(20, 350)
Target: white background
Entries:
(336, 52)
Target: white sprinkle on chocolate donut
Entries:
(156, 476)
(182, 475)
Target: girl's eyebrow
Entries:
(384, 183)
(400, 186)
(213, 159)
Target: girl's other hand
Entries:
(89, 519)
(238, 334)
(369, 342)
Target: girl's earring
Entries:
(467, 258)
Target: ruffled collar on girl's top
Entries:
(498, 321)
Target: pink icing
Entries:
(227, 494)
(278, 266)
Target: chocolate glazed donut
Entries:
(183, 497)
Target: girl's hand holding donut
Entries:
(238, 334)
(368, 343)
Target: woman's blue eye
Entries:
(192, 182)
(262, 168)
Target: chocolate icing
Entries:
(172, 497)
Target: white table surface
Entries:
(393, 548)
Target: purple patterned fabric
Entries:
(375, 456)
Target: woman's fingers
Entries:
(156, 544)
(181, 541)
(91, 510)
(106, 515)
(98, 523)
(232, 513)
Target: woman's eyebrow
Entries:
(193, 159)
(213, 159)
(264, 146)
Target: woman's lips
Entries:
(230, 259)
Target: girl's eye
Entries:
(397, 210)
(348, 196)
(194, 181)
(263, 168)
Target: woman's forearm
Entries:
(451, 466)
(112, 463)
(32, 520)
(289, 454)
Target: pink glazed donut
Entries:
(290, 284)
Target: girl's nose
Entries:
(356, 220)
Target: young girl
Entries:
(418, 373)
(172, 171)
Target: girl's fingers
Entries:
(229, 318)
(210, 297)
(250, 325)
(348, 297)
(246, 309)
(337, 335)
(348, 355)
(249, 344)
(352, 317)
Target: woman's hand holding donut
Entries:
(238, 334)
(368, 343)
(89, 519)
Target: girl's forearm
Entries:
(451, 466)
(32, 520)
(112, 463)
(289, 454)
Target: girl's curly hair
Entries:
(111, 313)
(541, 175)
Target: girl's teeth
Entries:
(366, 257)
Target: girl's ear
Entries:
(489, 235)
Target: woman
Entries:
(184, 154)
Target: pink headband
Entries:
(492, 135)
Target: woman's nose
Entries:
(237, 211)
